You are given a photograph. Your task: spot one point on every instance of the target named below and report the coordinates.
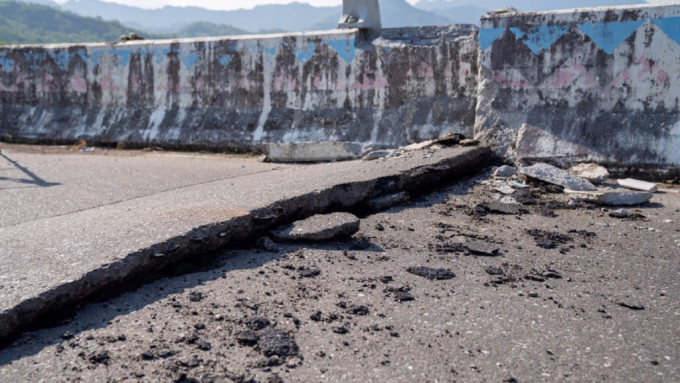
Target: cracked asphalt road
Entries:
(558, 293)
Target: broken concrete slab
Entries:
(325, 151)
(321, 227)
(594, 173)
(633, 184)
(612, 197)
(54, 261)
(554, 175)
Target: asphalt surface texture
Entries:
(445, 288)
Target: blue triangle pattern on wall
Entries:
(540, 37)
(345, 48)
(670, 26)
(488, 36)
(611, 35)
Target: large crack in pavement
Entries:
(144, 265)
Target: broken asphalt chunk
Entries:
(498, 207)
(431, 274)
(556, 176)
(482, 248)
(276, 342)
(321, 227)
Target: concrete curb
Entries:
(130, 268)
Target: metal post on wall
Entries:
(363, 14)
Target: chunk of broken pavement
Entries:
(613, 197)
(592, 172)
(556, 176)
(386, 202)
(321, 227)
(504, 171)
(633, 184)
(377, 154)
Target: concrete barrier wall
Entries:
(403, 86)
(600, 85)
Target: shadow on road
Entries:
(34, 179)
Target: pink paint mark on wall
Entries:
(369, 81)
(643, 72)
(47, 84)
(570, 74)
(108, 84)
(77, 84)
(285, 82)
(20, 84)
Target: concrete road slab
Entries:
(88, 222)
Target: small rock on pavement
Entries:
(634, 184)
(321, 227)
(613, 197)
(621, 213)
(432, 274)
(267, 244)
(592, 172)
(504, 171)
(551, 174)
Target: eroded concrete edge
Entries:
(207, 239)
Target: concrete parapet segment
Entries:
(393, 88)
(582, 85)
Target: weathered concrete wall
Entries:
(596, 84)
(403, 86)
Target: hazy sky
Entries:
(237, 4)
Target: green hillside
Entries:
(22, 23)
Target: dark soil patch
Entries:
(549, 239)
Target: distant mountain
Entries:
(41, 2)
(290, 17)
(206, 29)
(24, 23)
